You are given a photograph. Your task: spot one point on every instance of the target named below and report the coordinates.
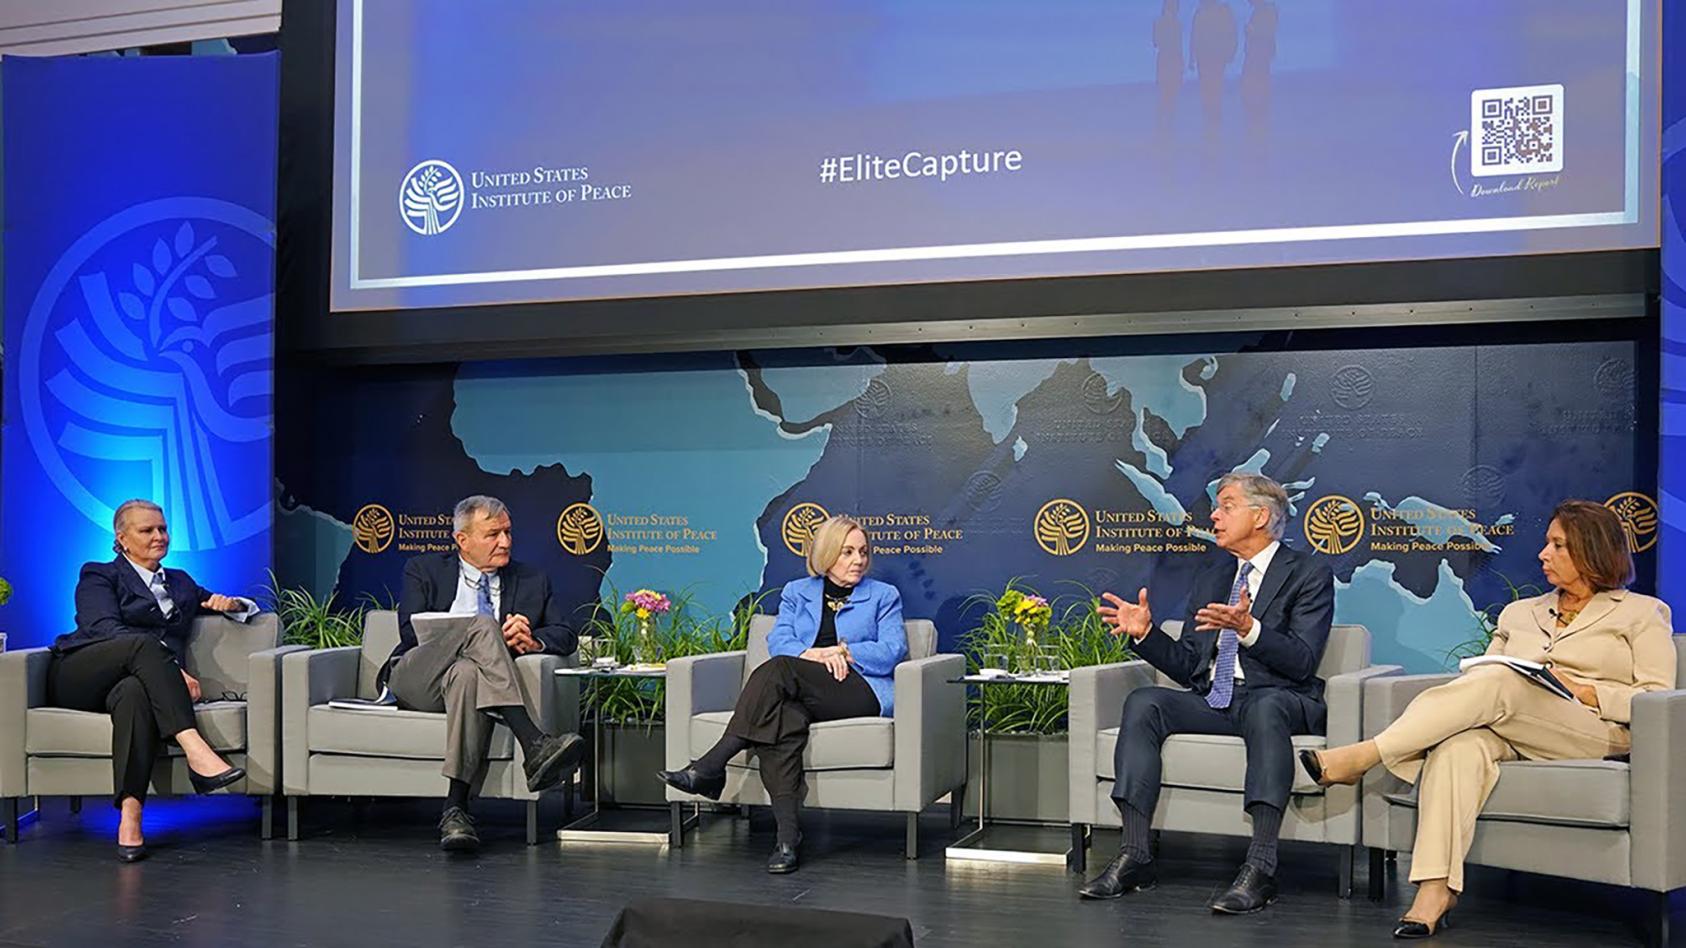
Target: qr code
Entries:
(1518, 130)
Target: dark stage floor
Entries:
(372, 876)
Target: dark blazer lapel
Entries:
(507, 582)
(1284, 562)
(447, 571)
(127, 577)
(180, 593)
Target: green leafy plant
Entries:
(1076, 635)
(679, 633)
(318, 622)
(1486, 620)
(5, 591)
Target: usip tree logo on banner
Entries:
(146, 368)
(430, 199)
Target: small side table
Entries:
(971, 846)
(591, 828)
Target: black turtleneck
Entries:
(827, 636)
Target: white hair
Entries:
(122, 514)
(469, 506)
(1258, 490)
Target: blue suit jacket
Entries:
(870, 622)
(1295, 607)
(111, 601)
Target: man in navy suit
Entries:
(468, 672)
(1259, 619)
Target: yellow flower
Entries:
(643, 613)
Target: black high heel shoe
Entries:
(1313, 766)
(131, 853)
(215, 782)
(1410, 929)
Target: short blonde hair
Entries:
(826, 545)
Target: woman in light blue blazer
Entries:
(835, 648)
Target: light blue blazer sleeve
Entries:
(785, 639)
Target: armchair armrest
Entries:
(1344, 696)
(23, 685)
(930, 718)
(1385, 699)
(695, 685)
(555, 701)
(263, 719)
(219, 649)
(1659, 790)
(310, 677)
(1095, 701)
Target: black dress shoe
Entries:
(1122, 875)
(1410, 929)
(1252, 890)
(692, 782)
(552, 761)
(215, 782)
(131, 853)
(784, 858)
(456, 831)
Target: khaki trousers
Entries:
(465, 675)
(1455, 736)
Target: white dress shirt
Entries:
(468, 590)
(153, 580)
(1261, 562)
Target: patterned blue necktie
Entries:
(484, 605)
(1223, 667)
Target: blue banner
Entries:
(140, 199)
(1671, 554)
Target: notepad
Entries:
(1533, 671)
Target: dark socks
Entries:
(521, 725)
(1267, 826)
(785, 812)
(457, 795)
(1138, 832)
(714, 762)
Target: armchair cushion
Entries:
(1207, 761)
(61, 732)
(414, 735)
(1556, 792)
(220, 650)
(847, 744)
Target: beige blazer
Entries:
(1621, 643)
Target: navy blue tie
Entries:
(1223, 667)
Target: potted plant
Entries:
(1027, 723)
(5, 597)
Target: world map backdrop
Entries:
(1424, 475)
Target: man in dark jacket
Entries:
(468, 669)
(1248, 655)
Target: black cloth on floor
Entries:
(658, 922)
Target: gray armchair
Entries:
(899, 764)
(1620, 822)
(1203, 774)
(46, 751)
(389, 752)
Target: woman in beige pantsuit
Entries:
(1604, 643)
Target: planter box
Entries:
(634, 754)
(1028, 777)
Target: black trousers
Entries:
(782, 697)
(135, 679)
(1264, 718)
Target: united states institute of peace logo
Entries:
(580, 529)
(372, 529)
(1639, 518)
(1334, 524)
(146, 367)
(430, 199)
(799, 526)
(1061, 527)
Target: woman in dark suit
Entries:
(834, 648)
(124, 659)
(1606, 645)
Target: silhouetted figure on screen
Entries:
(1259, 55)
(1212, 47)
(1168, 76)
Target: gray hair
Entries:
(469, 506)
(1260, 491)
(122, 514)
